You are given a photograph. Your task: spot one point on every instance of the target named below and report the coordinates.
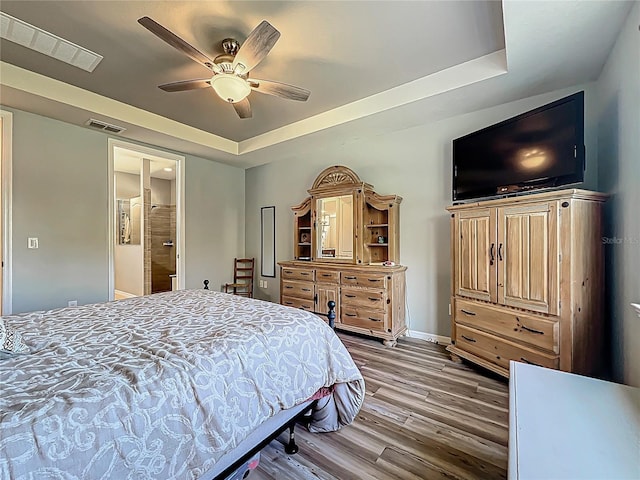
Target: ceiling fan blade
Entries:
(178, 43)
(185, 85)
(257, 45)
(243, 108)
(279, 89)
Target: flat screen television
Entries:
(538, 149)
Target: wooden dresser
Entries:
(528, 281)
(346, 249)
(369, 299)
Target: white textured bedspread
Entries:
(161, 386)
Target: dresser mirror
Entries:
(334, 227)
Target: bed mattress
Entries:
(162, 386)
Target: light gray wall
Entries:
(127, 185)
(215, 226)
(618, 90)
(160, 191)
(413, 163)
(60, 196)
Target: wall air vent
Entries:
(105, 127)
(27, 35)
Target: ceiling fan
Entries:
(230, 70)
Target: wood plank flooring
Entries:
(424, 417)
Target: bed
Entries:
(172, 385)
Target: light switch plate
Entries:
(32, 242)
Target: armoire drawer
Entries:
(500, 351)
(369, 280)
(290, 273)
(368, 298)
(537, 331)
(300, 303)
(297, 289)
(327, 276)
(364, 318)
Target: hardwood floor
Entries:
(424, 417)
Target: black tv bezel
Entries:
(537, 184)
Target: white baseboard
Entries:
(125, 294)
(429, 337)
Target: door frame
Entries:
(6, 159)
(180, 237)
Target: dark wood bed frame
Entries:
(303, 417)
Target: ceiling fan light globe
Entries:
(230, 88)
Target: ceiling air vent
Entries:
(105, 127)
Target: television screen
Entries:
(538, 149)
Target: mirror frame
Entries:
(338, 181)
(268, 241)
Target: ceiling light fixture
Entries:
(230, 87)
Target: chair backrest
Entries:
(242, 277)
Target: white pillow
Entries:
(10, 341)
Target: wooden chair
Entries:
(242, 278)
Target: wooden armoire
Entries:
(346, 249)
(528, 281)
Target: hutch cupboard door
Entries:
(475, 254)
(528, 261)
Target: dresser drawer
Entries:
(290, 273)
(297, 289)
(370, 280)
(363, 318)
(358, 297)
(537, 331)
(298, 303)
(327, 276)
(498, 350)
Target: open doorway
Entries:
(146, 226)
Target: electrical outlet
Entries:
(32, 242)
(72, 303)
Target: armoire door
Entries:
(528, 263)
(475, 253)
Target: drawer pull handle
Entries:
(288, 271)
(530, 363)
(469, 339)
(304, 273)
(374, 299)
(351, 278)
(350, 314)
(327, 275)
(467, 312)
(531, 329)
(288, 303)
(374, 279)
(500, 252)
(288, 286)
(492, 257)
(349, 296)
(306, 289)
(375, 319)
